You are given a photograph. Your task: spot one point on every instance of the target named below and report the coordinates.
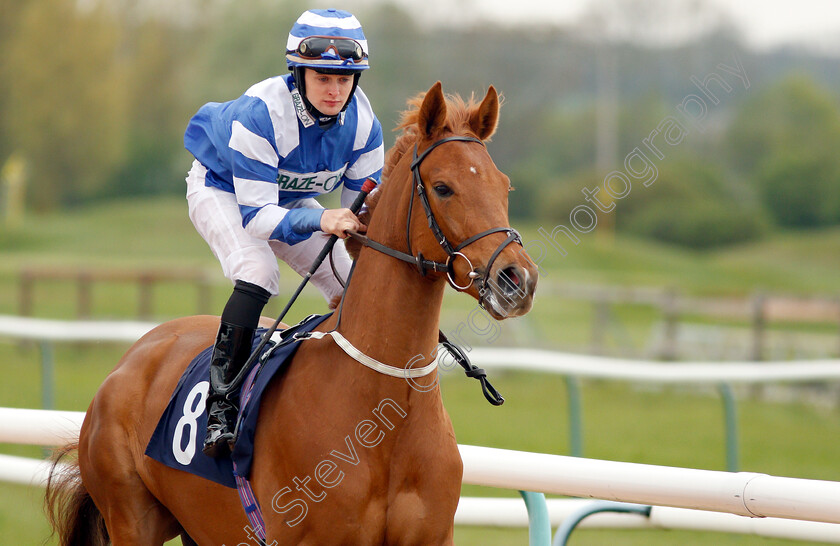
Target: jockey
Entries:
(260, 161)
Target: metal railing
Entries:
(735, 493)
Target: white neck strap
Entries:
(371, 363)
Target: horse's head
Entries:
(454, 203)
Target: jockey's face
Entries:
(328, 92)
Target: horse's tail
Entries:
(69, 507)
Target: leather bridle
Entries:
(453, 252)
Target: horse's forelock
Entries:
(457, 122)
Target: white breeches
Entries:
(215, 214)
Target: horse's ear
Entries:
(485, 118)
(432, 115)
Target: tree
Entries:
(9, 15)
(239, 46)
(66, 109)
(786, 141)
(155, 160)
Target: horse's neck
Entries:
(391, 312)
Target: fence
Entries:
(811, 502)
(572, 366)
(722, 375)
(758, 312)
(83, 279)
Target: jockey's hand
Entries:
(340, 221)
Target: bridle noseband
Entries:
(453, 252)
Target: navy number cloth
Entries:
(179, 435)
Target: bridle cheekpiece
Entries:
(453, 252)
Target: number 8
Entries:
(192, 411)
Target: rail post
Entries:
(730, 415)
(571, 522)
(47, 367)
(539, 524)
(575, 416)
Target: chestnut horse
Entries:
(343, 454)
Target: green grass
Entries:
(666, 426)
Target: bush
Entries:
(690, 203)
(802, 191)
(697, 224)
(693, 203)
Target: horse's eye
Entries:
(443, 190)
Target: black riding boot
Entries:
(232, 349)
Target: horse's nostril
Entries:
(509, 281)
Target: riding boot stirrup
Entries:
(231, 351)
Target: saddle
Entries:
(176, 441)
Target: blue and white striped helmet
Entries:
(327, 39)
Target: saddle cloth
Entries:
(179, 436)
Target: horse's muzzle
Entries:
(509, 291)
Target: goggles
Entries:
(314, 47)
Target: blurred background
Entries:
(730, 112)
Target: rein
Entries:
(247, 497)
(423, 265)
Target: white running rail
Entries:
(493, 358)
(740, 493)
(683, 498)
